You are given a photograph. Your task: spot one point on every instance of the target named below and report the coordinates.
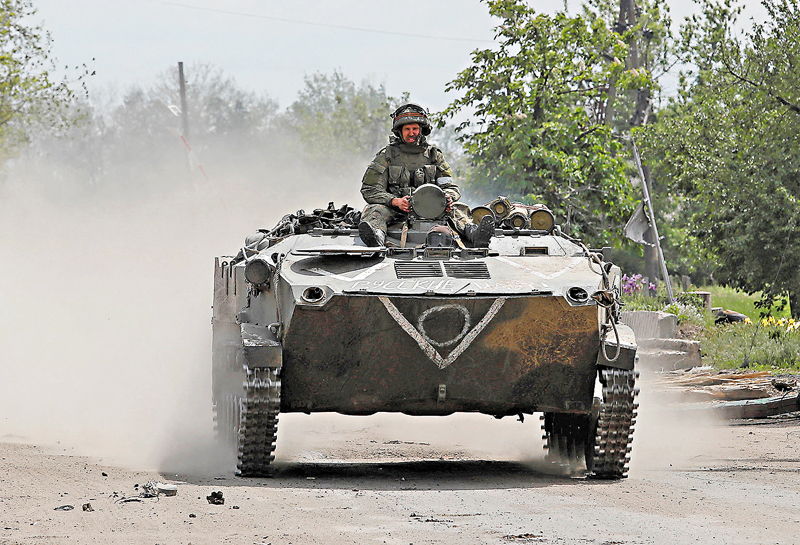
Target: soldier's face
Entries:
(410, 133)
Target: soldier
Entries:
(406, 163)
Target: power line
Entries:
(310, 23)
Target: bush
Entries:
(687, 313)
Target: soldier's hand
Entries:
(449, 204)
(403, 203)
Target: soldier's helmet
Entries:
(411, 113)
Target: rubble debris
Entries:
(149, 490)
(523, 537)
(64, 508)
(732, 394)
(215, 498)
(167, 489)
(759, 408)
(707, 384)
(783, 385)
(724, 316)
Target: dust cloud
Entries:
(105, 327)
(669, 432)
(105, 309)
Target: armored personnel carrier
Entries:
(309, 319)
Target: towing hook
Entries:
(604, 298)
(275, 329)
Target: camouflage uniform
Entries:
(396, 171)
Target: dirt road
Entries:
(401, 480)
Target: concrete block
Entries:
(647, 324)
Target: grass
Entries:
(762, 346)
(731, 299)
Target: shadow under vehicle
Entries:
(308, 319)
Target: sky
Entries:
(270, 46)
(258, 43)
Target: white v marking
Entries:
(427, 347)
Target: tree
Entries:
(730, 145)
(540, 103)
(338, 121)
(132, 144)
(28, 94)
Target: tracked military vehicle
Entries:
(309, 319)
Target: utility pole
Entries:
(626, 20)
(184, 107)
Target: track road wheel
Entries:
(565, 440)
(246, 403)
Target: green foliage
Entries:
(686, 309)
(730, 146)
(28, 95)
(687, 313)
(538, 132)
(751, 345)
(762, 344)
(337, 120)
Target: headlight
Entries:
(257, 272)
